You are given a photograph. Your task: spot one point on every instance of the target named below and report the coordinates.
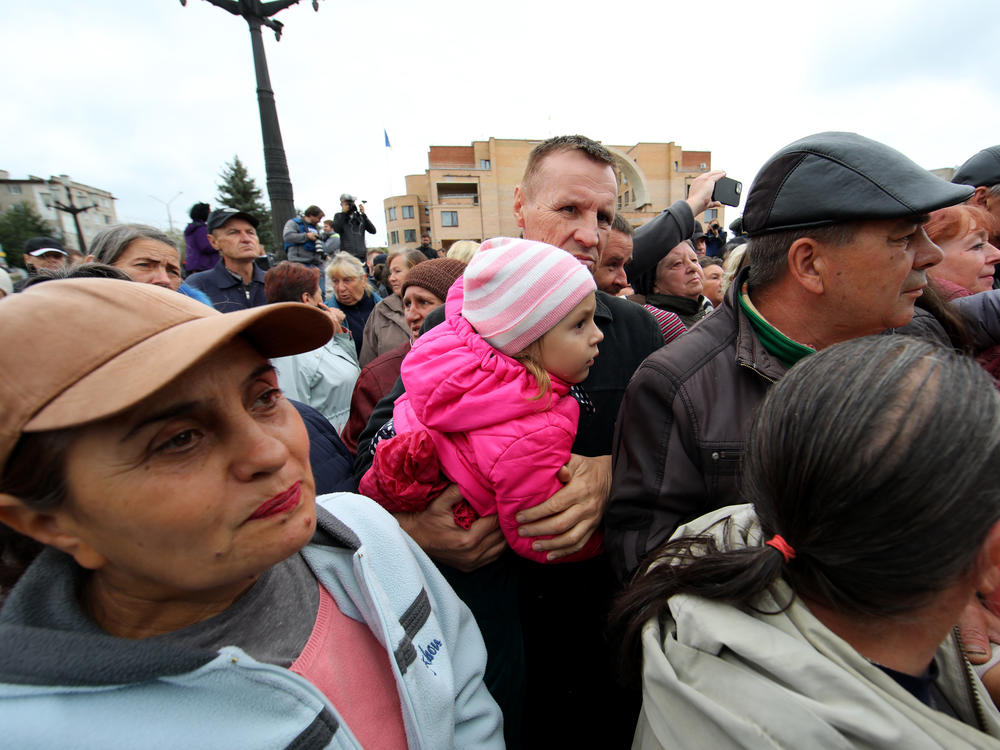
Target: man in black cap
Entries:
(236, 282)
(982, 171)
(42, 253)
(837, 250)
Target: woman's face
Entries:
(151, 262)
(417, 302)
(968, 261)
(397, 273)
(679, 274)
(348, 289)
(197, 489)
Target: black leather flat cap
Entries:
(981, 169)
(829, 178)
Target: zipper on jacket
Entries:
(970, 678)
(753, 368)
(360, 564)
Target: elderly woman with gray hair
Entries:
(146, 254)
(352, 294)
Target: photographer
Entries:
(715, 240)
(351, 224)
(302, 242)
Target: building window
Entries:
(393, 238)
(711, 214)
(392, 213)
(407, 212)
(675, 166)
(449, 218)
(14, 189)
(409, 235)
(484, 163)
(619, 202)
(107, 219)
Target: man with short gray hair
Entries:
(837, 251)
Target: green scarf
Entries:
(787, 351)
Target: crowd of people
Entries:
(709, 492)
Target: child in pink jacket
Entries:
(487, 401)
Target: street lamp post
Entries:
(279, 183)
(73, 210)
(170, 219)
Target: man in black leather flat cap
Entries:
(982, 171)
(837, 250)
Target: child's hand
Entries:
(574, 513)
(435, 531)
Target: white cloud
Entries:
(152, 98)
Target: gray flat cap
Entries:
(981, 169)
(830, 178)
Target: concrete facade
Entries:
(467, 192)
(40, 194)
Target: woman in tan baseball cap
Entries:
(191, 591)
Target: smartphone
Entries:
(727, 191)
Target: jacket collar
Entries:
(750, 352)
(224, 278)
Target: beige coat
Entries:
(717, 676)
(385, 330)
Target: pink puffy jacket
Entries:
(498, 443)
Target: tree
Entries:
(237, 189)
(19, 224)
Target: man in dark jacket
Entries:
(426, 249)
(351, 224)
(236, 282)
(566, 198)
(837, 251)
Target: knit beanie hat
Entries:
(517, 290)
(436, 276)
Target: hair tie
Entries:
(778, 542)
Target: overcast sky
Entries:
(145, 97)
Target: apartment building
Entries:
(43, 194)
(467, 192)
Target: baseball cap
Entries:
(220, 216)
(980, 169)
(833, 177)
(133, 340)
(40, 245)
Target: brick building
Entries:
(467, 192)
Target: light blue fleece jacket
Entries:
(88, 690)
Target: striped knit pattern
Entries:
(516, 290)
(670, 324)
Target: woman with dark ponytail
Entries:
(821, 614)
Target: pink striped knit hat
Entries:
(516, 290)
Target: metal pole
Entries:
(73, 210)
(170, 220)
(279, 183)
